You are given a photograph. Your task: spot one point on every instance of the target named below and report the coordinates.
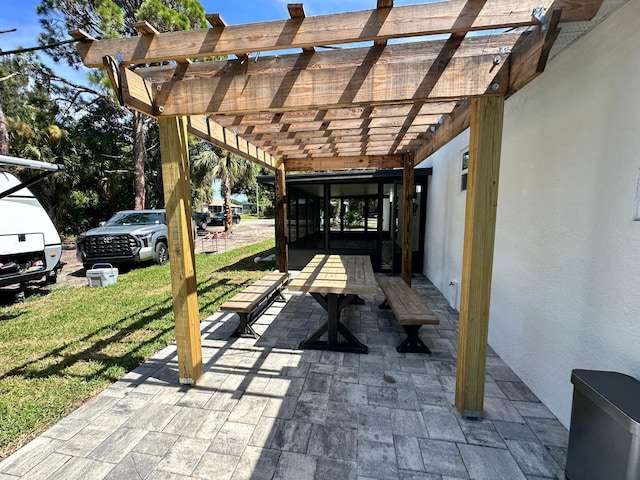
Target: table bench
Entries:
(410, 311)
(253, 300)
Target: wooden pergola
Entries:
(351, 97)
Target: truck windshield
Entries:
(135, 218)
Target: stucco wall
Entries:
(566, 278)
(445, 219)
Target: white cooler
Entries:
(102, 275)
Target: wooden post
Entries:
(477, 258)
(281, 220)
(177, 197)
(408, 189)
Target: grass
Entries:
(59, 350)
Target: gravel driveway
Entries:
(248, 231)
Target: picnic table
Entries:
(335, 281)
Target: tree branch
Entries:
(82, 88)
(11, 75)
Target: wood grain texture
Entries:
(145, 28)
(331, 59)
(415, 81)
(249, 298)
(452, 126)
(174, 151)
(477, 259)
(350, 113)
(529, 56)
(390, 123)
(341, 274)
(335, 133)
(406, 304)
(136, 92)
(455, 16)
(344, 163)
(296, 10)
(225, 138)
(312, 105)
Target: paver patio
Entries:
(264, 410)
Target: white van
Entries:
(30, 247)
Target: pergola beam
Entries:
(381, 138)
(382, 4)
(452, 126)
(340, 150)
(472, 46)
(529, 58)
(223, 137)
(336, 125)
(344, 163)
(296, 10)
(455, 16)
(416, 81)
(353, 113)
(145, 28)
(136, 91)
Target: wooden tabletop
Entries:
(341, 274)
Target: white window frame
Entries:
(464, 172)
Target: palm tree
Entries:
(201, 167)
(225, 167)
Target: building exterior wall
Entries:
(566, 276)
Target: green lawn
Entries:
(58, 350)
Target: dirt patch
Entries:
(246, 232)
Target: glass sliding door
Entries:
(398, 221)
(354, 212)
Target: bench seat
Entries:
(254, 299)
(410, 311)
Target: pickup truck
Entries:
(130, 236)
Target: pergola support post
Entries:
(282, 254)
(477, 259)
(408, 198)
(177, 195)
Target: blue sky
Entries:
(21, 14)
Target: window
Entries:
(464, 164)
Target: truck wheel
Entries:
(52, 278)
(203, 225)
(161, 256)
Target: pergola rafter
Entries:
(404, 91)
(456, 16)
(381, 104)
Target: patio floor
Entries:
(264, 410)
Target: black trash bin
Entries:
(604, 436)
